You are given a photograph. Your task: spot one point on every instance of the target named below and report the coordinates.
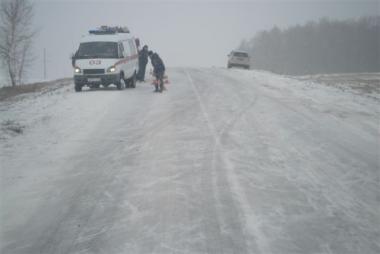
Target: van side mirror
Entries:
(74, 55)
(73, 59)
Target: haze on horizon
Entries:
(184, 33)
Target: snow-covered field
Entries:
(225, 161)
(367, 84)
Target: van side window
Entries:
(127, 51)
(121, 50)
(133, 47)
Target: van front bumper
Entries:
(104, 79)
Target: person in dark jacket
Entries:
(158, 70)
(143, 61)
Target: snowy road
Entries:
(225, 161)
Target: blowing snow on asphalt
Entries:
(225, 161)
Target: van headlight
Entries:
(77, 70)
(111, 69)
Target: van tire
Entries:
(132, 80)
(78, 88)
(127, 83)
(120, 84)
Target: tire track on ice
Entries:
(252, 222)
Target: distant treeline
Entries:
(318, 47)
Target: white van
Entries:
(105, 56)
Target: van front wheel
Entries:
(120, 84)
(78, 88)
(127, 83)
(132, 81)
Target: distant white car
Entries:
(106, 56)
(238, 59)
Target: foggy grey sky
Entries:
(184, 33)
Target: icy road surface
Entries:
(225, 161)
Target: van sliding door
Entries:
(127, 52)
(133, 54)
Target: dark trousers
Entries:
(141, 73)
(160, 81)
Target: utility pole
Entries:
(44, 63)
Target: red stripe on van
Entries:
(127, 59)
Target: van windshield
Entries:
(97, 50)
(240, 54)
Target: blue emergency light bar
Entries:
(109, 30)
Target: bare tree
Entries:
(16, 36)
